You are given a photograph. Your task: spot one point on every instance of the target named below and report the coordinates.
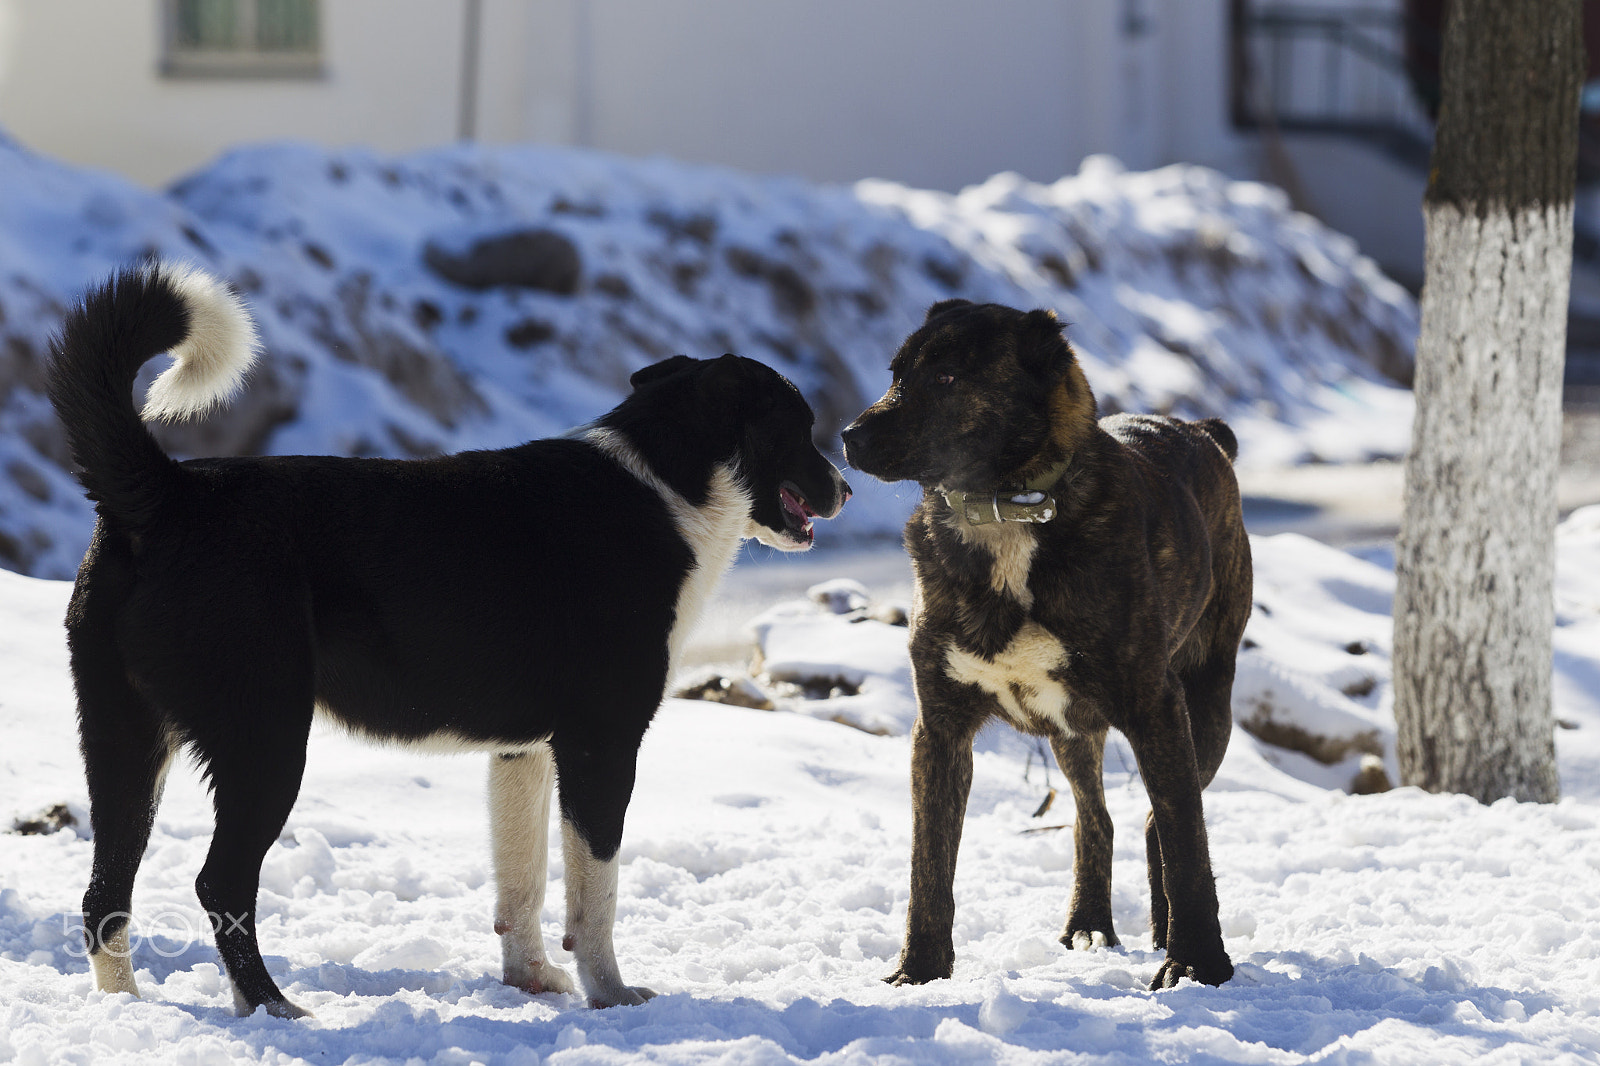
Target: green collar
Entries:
(1033, 501)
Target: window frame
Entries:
(244, 61)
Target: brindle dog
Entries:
(1073, 575)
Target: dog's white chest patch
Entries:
(713, 530)
(1011, 550)
(1020, 676)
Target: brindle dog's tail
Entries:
(1218, 431)
(120, 326)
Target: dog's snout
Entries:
(841, 491)
(857, 442)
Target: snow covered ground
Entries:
(1185, 292)
(764, 875)
(764, 879)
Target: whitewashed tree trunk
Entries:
(1475, 559)
(1474, 603)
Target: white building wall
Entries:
(1191, 86)
(937, 93)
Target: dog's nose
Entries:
(857, 441)
(829, 505)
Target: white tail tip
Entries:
(210, 363)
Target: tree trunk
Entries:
(1475, 556)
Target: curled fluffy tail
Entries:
(121, 325)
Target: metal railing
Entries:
(1359, 71)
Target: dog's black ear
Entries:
(730, 382)
(945, 305)
(664, 369)
(725, 375)
(1042, 346)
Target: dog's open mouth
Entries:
(797, 513)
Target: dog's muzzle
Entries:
(857, 440)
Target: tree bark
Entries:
(1474, 561)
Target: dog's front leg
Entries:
(596, 777)
(591, 912)
(1080, 756)
(941, 778)
(1162, 744)
(519, 823)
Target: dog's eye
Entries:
(945, 379)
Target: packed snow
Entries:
(765, 868)
(476, 297)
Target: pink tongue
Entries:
(792, 505)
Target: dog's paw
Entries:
(1090, 935)
(628, 996)
(278, 1008)
(1210, 971)
(912, 973)
(538, 977)
(1090, 939)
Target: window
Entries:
(242, 38)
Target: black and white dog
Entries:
(528, 603)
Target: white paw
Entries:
(626, 996)
(535, 977)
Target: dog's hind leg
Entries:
(126, 750)
(596, 784)
(1208, 693)
(1205, 664)
(519, 824)
(1159, 914)
(1089, 916)
(125, 756)
(1160, 736)
(255, 776)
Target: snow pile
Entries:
(764, 880)
(1314, 684)
(838, 656)
(1190, 294)
(475, 297)
(1578, 543)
